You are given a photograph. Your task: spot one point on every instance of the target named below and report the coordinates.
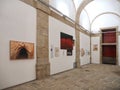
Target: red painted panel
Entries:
(66, 41)
(63, 43)
(69, 43)
(109, 51)
(109, 37)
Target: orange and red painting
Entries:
(21, 50)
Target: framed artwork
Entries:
(56, 52)
(21, 50)
(95, 47)
(52, 51)
(88, 52)
(73, 42)
(69, 52)
(63, 53)
(82, 52)
(67, 43)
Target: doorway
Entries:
(109, 46)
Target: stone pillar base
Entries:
(42, 71)
(78, 65)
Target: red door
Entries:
(109, 50)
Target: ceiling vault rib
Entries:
(80, 8)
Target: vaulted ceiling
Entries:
(99, 12)
(91, 14)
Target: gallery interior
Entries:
(60, 44)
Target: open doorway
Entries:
(109, 46)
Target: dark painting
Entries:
(69, 52)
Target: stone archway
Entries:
(80, 8)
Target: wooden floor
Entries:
(88, 77)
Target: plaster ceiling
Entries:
(94, 9)
(98, 7)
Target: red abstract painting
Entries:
(66, 41)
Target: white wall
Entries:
(62, 62)
(85, 44)
(119, 50)
(101, 22)
(17, 22)
(95, 54)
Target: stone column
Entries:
(77, 34)
(43, 65)
(30, 2)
